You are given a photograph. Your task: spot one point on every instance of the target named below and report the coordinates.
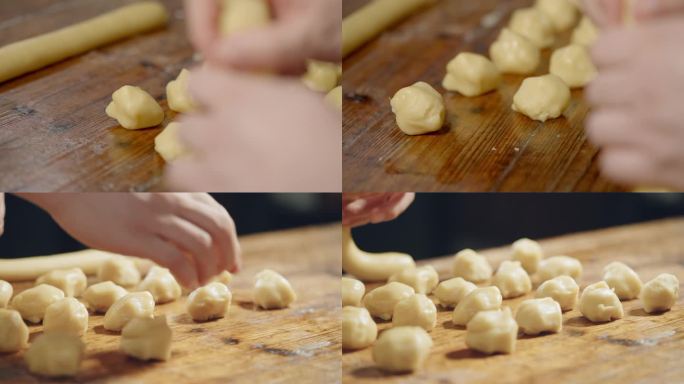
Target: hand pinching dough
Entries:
(99, 297)
(272, 290)
(557, 266)
(562, 13)
(623, 280)
(168, 144)
(660, 294)
(241, 15)
(535, 316)
(514, 53)
(512, 280)
(416, 310)
(586, 33)
(352, 292)
(563, 289)
(136, 304)
(369, 267)
(224, 278)
(134, 108)
(41, 358)
(161, 284)
(66, 316)
(471, 266)
(147, 338)
(119, 270)
(471, 75)
(14, 333)
(321, 76)
(178, 94)
(380, 301)
(402, 349)
(492, 331)
(419, 109)
(451, 292)
(573, 65)
(423, 279)
(71, 281)
(358, 328)
(534, 25)
(6, 291)
(211, 301)
(480, 299)
(542, 98)
(33, 302)
(599, 303)
(528, 253)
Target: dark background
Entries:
(30, 231)
(442, 224)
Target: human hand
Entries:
(257, 133)
(611, 13)
(300, 30)
(191, 234)
(636, 104)
(363, 208)
(2, 213)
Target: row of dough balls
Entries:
(420, 109)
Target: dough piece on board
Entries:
(136, 304)
(542, 98)
(161, 284)
(134, 108)
(586, 33)
(71, 281)
(471, 75)
(67, 315)
(41, 358)
(514, 53)
(211, 301)
(358, 328)
(419, 109)
(369, 267)
(14, 333)
(178, 94)
(6, 291)
(147, 338)
(33, 302)
(573, 65)
(168, 144)
(99, 297)
(402, 349)
(119, 270)
(534, 25)
(272, 290)
(321, 76)
(561, 13)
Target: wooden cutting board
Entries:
(485, 145)
(300, 344)
(639, 348)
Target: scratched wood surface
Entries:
(640, 348)
(301, 344)
(54, 134)
(485, 146)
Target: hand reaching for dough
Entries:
(301, 30)
(191, 234)
(363, 208)
(257, 133)
(636, 104)
(610, 13)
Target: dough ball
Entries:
(358, 328)
(168, 144)
(402, 349)
(586, 33)
(352, 292)
(623, 280)
(178, 94)
(451, 292)
(66, 316)
(514, 53)
(224, 278)
(492, 331)
(512, 280)
(136, 304)
(573, 65)
(557, 266)
(272, 290)
(147, 338)
(161, 284)
(211, 301)
(535, 316)
(99, 297)
(14, 334)
(542, 98)
(422, 279)
(321, 76)
(120, 270)
(561, 13)
(41, 358)
(380, 301)
(599, 303)
(334, 97)
(563, 289)
(534, 25)
(134, 108)
(471, 75)
(33, 302)
(471, 266)
(528, 253)
(71, 281)
(6, 291)
(241, 15)
(660, 294)
(416, 310)
(480, 299)
(419, 109)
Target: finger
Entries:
(194, 134)
(392, 211)
(645, 9)
(188, 175)
(610, 127)
(611, 89)
(211, 87)
(627, 165)
(615, 48)
(605, 13)
(2, 213)
(167, 255)
(202, 23)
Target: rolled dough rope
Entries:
(37, 52)
(373, 18)
(370, 267)
(89, 260)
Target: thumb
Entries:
(645, 9)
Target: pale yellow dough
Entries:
(211, 301)
(422, 279)
(535, 316)
(528, 253)
(402, 349)
(168, 144)
(136, 304)
(272, 290)
(120, 270)
(573, 65)
(134, 108)
(352, 292)
(512, 280)
(660, 294)
(33, 302)
(419, 109)
(471, 75)
(586, 33)
(71, 281)
(241, 15)
(562, 13)
(14, 333)
(534, 25)
(417, 310)
(161, 284)
(599, 303)
(542, 98)
(480, 299)
(380, 301)
(321, 76)
(99, 297)
(371, 267)
(451, 292)
(514, 53)
(358, 328)
(557, 266)
(563, 289)
(471, 266)
(178, 94)
(6, 291)
(67, 315)
(334, 97)
(623, 280)
(492, 331)
(41, 358)
(147, 338)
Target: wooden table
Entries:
(300, 344)
(54, 134)
(485, 145)
(639, 348)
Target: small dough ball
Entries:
(416, 310)
(402, 349)
(136, 304)
(211, 301)
(480, 299)
(660, 294)
(573, 65)
(120, 270)
(492, 331)
(423, 279)
(451, 292)
(99, 297)
(66, 316)
(358, 328)
(599, 303)
(380, 301)
(542, 98)
(586, 33)
(558, 266)
(134, 108)
(224, 277)
(562, 13)
(334, 97)
(512, 280)
(623, 280)
(33, 302)
(471, 75)
(563, 289)
(178, 94)
(161, 284)
(6, 291)
(419, 109)
(14, 333)
(534, 25)
(535, 316)
(514, 53)
(529, 253)
(471, 266)
(147, 338)
(272, 290)
(71, 281)
(41, 358)
(321, 76)
(241, 15)
(168, 144)
(352, 292)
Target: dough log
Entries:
(367, 266)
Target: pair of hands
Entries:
(635, 100)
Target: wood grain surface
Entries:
(54, 134)
(300, 344)
(485, 146)
(639, 348)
